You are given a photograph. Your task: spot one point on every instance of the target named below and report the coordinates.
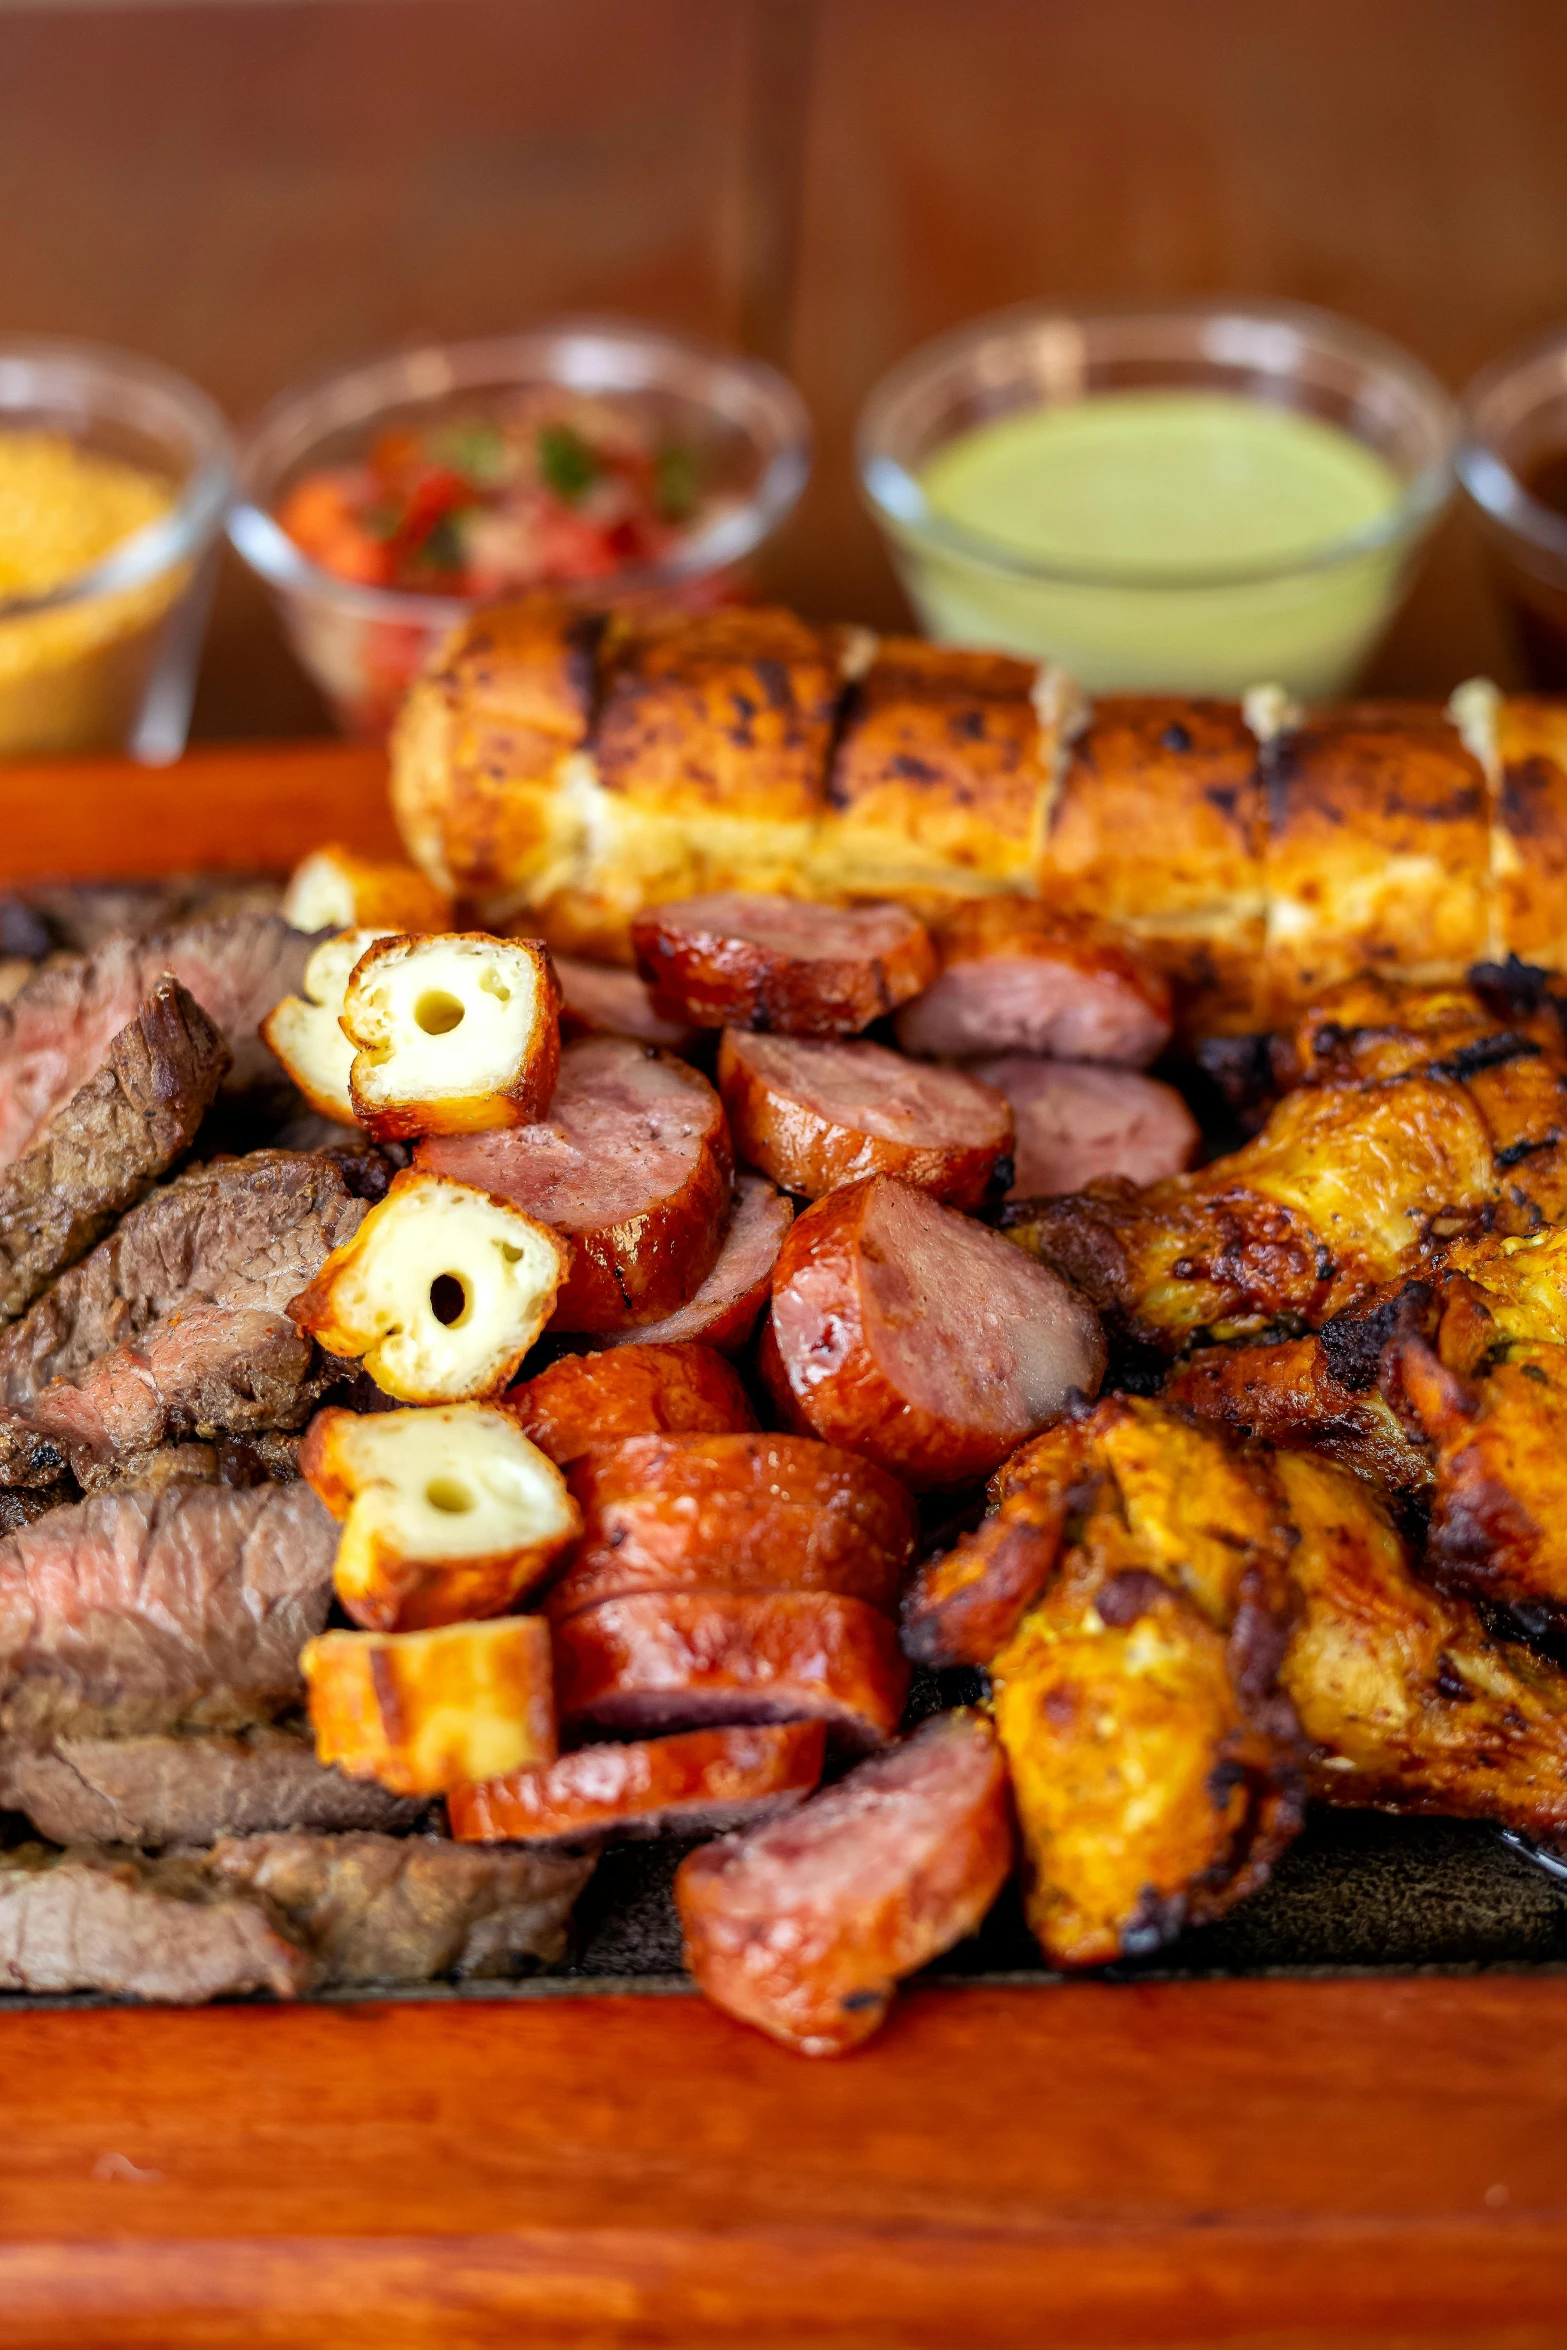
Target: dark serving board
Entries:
(1339, 2115)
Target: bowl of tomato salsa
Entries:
(591, 457)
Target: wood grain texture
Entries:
(1267, 2162)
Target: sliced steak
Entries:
(143, 1611)
(269, 1456)
(117, 1134)
(189, 1790)
(723, 1311)
(117, 1922)
(805, 1927)
(401, 1909)
(696, 1783)
(58, 1029)
(632, 1164)
(176, 1324)
(1077, 1121)
(814, 1116)
(734, 960)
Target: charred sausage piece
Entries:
(805, 1927)
(632, 1165)
(723, 1312)
(814, 1116)
(630, 1391)
(599, 999)
(781, 965)
(1077, 1121)
(695, 1783)
(901, 1330)
(735, 1513)
(686, 1660)
(1020, 977)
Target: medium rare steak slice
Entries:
(57, 1030)
(176, 1324)
(114, 1921)
(117, 1134)
(189, 1790)
(142, 1611)
(279, 1913)
(399, 1909)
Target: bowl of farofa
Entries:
(114, 478)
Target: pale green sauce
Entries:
(1160, 481)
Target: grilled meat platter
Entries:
(936, 1310)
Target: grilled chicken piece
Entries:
(1409, 1701)
(1300, 1394)
(1155, 1763)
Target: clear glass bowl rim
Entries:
(484, 361)
(1485, 474)
(197, 513)
(896, 500)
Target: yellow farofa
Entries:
(71, 678)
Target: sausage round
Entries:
(632, 1163)
(780, 964)
(629, 1391)
(735, 1513)
(1077, 1121)
(682, 1660)
(600, 999)
(723, 1312)
(805, 1927)
(1020, 977)
(695, 1783)
(906, 1332)
(814, 1116)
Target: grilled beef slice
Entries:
(278, 1913)
(55, 1032)
(190, 1790)
(144, 1611)
(136, 1114)
(175, 1325)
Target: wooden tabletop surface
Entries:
(1266, 2165)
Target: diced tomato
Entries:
(321, 514)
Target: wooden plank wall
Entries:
(255, 191)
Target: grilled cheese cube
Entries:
(420, 1712)
(441, 1291)
(453, 1033)
(305, 1032)
(332, 889)
(448, 1513)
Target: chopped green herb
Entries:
(383, 522)
(675, 482)
(473, 447)
(443, 549)
(566, 462)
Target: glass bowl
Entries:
(1306, 623)
(362, 644)
(105, 659)
(1515, 419)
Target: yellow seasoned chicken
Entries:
(1154, 1763)
(1408, 1700)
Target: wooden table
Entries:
(1282, 2164)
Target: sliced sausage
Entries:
(904, 1331)
(632, 1164)
(695, 1783)
(1017, 976)
(735, 1513)
(805, 1927)
(813, 1116)
(1077, 1121)
(599, 999)
(723, 1312)
(780, 964)
(629, 1391)
(684, 1660)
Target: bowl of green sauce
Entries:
(1191, 498)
